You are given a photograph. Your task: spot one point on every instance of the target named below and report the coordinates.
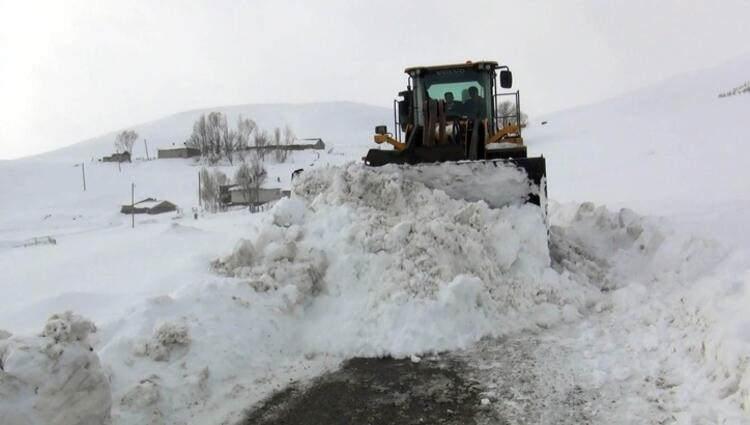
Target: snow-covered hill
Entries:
(339, 124)
(47, 189)
(672, 142)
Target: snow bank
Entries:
(54, 378)
(364, 261)
(672, 330)
(359, 261)
(380, 261)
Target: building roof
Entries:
(467, 64)
(238, 188)
(148, 206)
(178, 148)
(149, 203)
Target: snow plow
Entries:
(454, 113)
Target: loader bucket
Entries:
(498, 182)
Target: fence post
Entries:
(132, 205)
(83, 171)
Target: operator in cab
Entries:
(475, 105)
(451, 106)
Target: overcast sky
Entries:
(70, 70)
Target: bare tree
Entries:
(245, 128)
(228, 142)
(208, 190)
(508, 111)
(288, 139)
(281, 142)
(216, 122)
(200, 138)
(244, 179)
(260, 140)
(220, 178)
(211, 183)
(125, 140)
(250, 176)
(278, 151)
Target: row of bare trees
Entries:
(250, 175)
(216, 141)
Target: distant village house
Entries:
(149, 206)
(178, 152)
(318, 145)
(235, 195)
(117, 157)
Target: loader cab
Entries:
(468, 90)
(458, 106)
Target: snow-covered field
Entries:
(636, 309)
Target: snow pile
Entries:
(671, 331)
(279, 259)
(205, 354)
(487, 181)
(167, 338)
(397, 267)
(708, 344)
(54, 378)
(616, 249)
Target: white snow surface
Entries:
(399, 268)
(196, 319)
(54, 378)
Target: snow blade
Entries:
(492, 180)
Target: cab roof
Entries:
(465, 65)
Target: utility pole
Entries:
(132, 205)
(199, 190)
(146, 143)
(83, 173)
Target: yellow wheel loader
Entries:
(454, 113)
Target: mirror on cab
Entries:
(506, 79)
(381, 129)
(404, 106)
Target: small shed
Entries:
(178, 152)
(319, 145)
(117, 157)
(149, 206)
